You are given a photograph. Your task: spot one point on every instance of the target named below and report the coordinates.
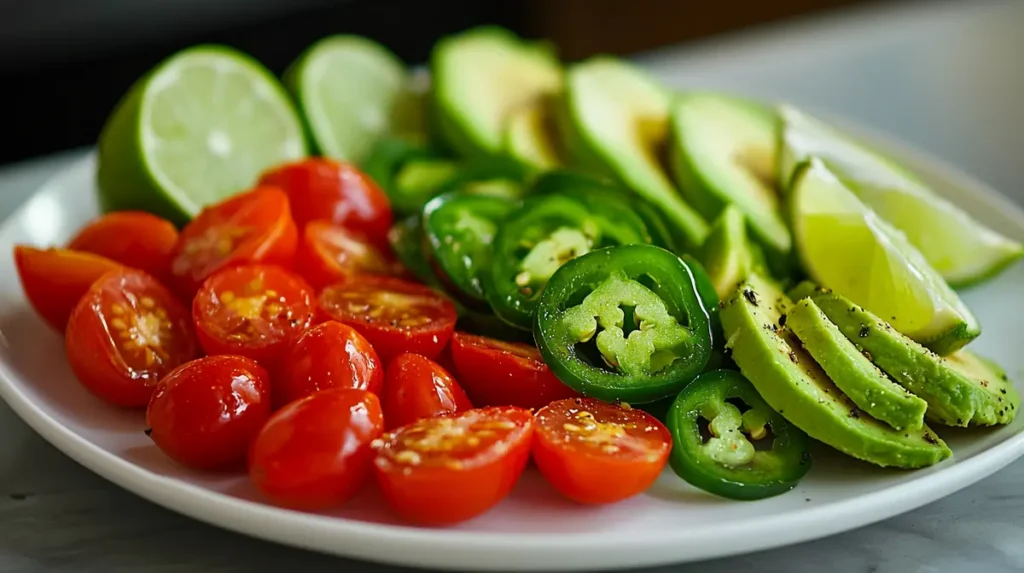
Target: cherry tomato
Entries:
(497, 373)
(133, 238)
(396, 316)
(126, 333)
(416, 387)
(330, 254)
(54, 280)
(594, 452)
(316, 452)
(321, 188)
(255, 311)
(440, 471)
(205, 413)
(329, 355)
(252, 227)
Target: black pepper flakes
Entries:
(751, 296)
(930, 438)
(782, 320)
(864, 331)
(792, 357)
(960, 421)
(855, 413)
(1003, 390)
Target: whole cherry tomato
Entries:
(133, 238)
(330, 254)
(329, 355)
(54, 280)
(416, 387)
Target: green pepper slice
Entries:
(624, 323)
(746, 451)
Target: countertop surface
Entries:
(945, 77)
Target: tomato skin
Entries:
(498, 373)
(98, 337)
(135, 239)
(416, 387)
(329, 254)
(54, 280)
(468, 473)
(592, 468)
(205, 413)
(329, 355)
(377, 306)
(321, 188)
(316, 452)
(252, 227)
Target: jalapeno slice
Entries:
(406, 239)
(624, 323)
(729, 442)
(387, 158)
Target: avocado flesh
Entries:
(530, 136)
(727, 254)
(795, 386)
(960, 389)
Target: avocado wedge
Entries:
(795, 386)
(961, 389)
(727, 254)
(530, 136)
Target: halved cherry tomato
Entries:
(330, 254)
(445, 470)
(133, 238)
(416, 387)
(54, 280)
(396, 316)
(497, 373)
(125, 334)
(316, 452)
(205, 413)
(329, 355)
(594, 452)
(252, 227)
(325, 189)
(255, 311)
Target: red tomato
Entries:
(126, 333)
(445, 470)
(325, 189)
(594, 452)
(252, 227)
(54, 280)
(255, 311)
(497, 373)
(315, 453)
(329, 254)
(206, 412)
(132, 238)
(416, 387)
(329, 355)
(396, 316)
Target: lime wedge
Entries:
(349, 89)
(199, 127)
(960, 248)
(847, 247)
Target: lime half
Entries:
(202, 125)
(847, 247)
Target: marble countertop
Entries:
(944, 76)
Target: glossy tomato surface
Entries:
(135, 239)
(498, 373)
(594, 452)
(316, 452)
(255, 311)
(125, 334)
(329, 355)
(251, 227)
(416, 387)
(396, 316)
(329, 254)
(440, 471)
(54, 280)
(205, 413)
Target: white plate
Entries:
(534, 528)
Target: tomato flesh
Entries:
(330, 254)
(316, 452)
(54, 280)
(125, 334)
(416, 387)
(205, 413)
(594, 452)
(329, 355)
(440, 471)
(135, 239)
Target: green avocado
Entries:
(863, 382)
(961, 389)
(727, 254)
(795, 386)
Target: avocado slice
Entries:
(614, 118)
(961, 390)
(722, 152)
(863, 382)
(727, 254)
(793, 384)
(530, 136)
(480, 76)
